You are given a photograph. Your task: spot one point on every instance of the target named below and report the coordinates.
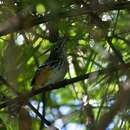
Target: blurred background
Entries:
(99, 39)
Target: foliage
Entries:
(98, 39)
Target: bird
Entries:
(52, 71)
(54, 68)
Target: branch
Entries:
(120, 104)
(37, 113)
(20, 22)
(4, 81)
(23, 98)
(115, 50)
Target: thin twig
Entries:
(115, 50)
(4, 81)
(23, 98)
(119, 105)
(20, 22)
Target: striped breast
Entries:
(49, 75)
(41, 77)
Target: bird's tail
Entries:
(43, 110)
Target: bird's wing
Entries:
(43, 72)
(37, 73)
